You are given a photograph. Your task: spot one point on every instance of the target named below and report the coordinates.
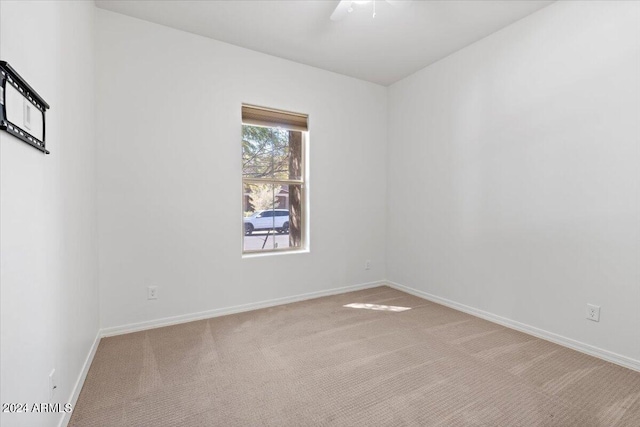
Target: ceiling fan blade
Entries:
(341, 10)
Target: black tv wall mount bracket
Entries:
(21, 108)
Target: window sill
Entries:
(274, 253)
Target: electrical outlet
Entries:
(53, 384)
(593, 312)
(152, 292)
(367, 264)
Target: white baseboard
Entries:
(167, 321)
(80, 381)
(606, 355)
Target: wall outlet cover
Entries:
(593, 312)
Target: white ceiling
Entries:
(398, 42)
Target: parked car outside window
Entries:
(273, 219)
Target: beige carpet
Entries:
(318, 363)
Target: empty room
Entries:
(319, 213)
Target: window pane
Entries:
(264, 151)
(272, 153)
(273, 216)
(260, 222)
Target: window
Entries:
(273, 179)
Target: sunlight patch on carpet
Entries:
(378, 307)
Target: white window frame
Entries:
(303, 182)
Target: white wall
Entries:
(169, 173)
(514, 174)
(48, 271)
